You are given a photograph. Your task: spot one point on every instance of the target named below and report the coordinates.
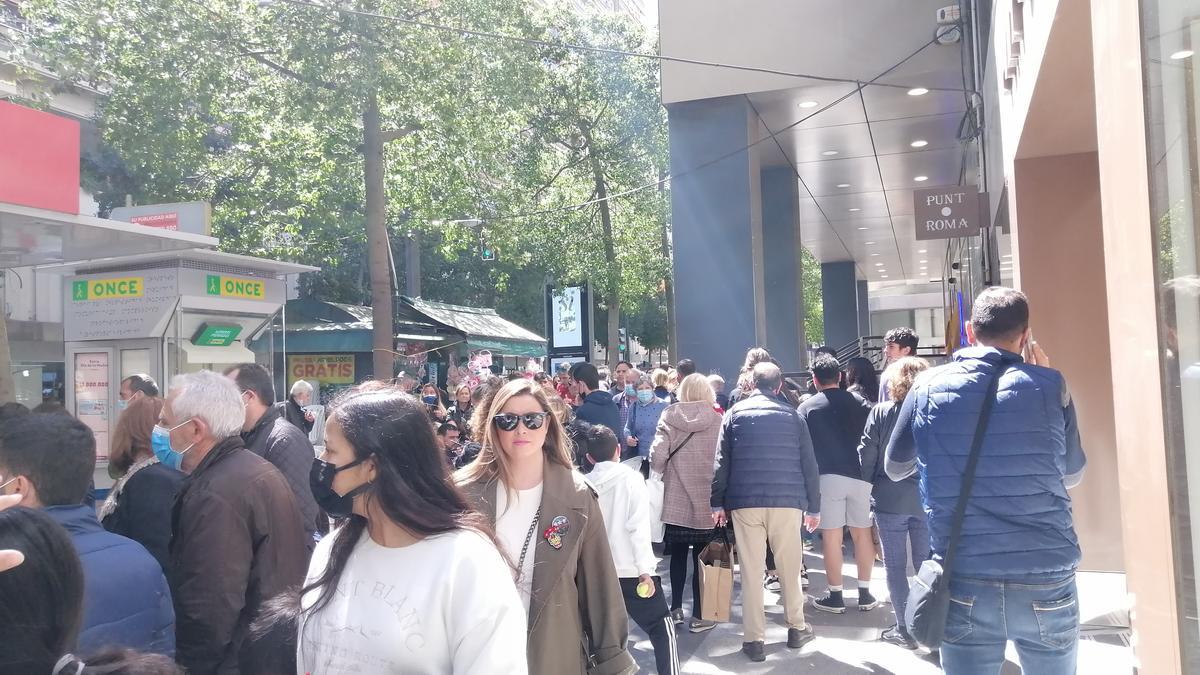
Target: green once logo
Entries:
(79, 290)
(213, 284)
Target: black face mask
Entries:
(320, 481)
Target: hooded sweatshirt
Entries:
(687, 478)
(626, 507)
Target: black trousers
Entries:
(652, 616)
(679, 566)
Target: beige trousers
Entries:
(753, 529)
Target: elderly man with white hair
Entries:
(292, 408)
(237, 538)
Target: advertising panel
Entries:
(91, 397)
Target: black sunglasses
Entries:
(509, 421)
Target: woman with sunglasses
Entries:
(548, 519)
(411, 580)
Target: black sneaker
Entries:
(677, 617)
(754, 650)
(832, 602)
(866, 601)
(899, 637)
(798, 637)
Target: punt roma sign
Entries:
(946, 212)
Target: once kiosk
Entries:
(161, 314)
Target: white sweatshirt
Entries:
(444, 605)
(626, 507)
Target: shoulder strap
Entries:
(685, 442)
(968, 481)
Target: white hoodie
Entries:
(626, 507)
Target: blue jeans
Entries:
(1041, 619)
(896, 533)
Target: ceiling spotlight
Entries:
(843, 185)
(921, 179)
(919, 144)
(873, 254)
(921, 251)
(808, 104)
(868, 243)
(1006, 255)
(1182, 54)
(830, 153)
(855, 209)
(883, 276)
(879, 264)
(862, 229)
(924, 261)
(918, 91)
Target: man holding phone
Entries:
(1013, 576)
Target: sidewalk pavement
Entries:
(848, 643)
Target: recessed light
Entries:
(843, 185)
(921, 179)
(918, 91)
(935, 281)
(873, 254)
(879, 264)
(830, 153)
(868, 243)
(921, 251)
(883, 276)
(919, 144)
(863, 229)
(924, 261)
(1182, 54)
(1006, 255)
(808, 104)
(855, 209)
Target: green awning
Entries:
(483, 328)
(507, 347)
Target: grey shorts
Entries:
(844, 501)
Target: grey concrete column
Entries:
(864, 309)
(839, 299)
(781, 260)
(713, 212)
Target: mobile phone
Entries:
(1027, 352)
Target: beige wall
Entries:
(1060, 265)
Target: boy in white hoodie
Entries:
(626, 507)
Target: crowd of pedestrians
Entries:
(514, 529)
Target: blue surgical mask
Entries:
(630, 391)
(645, 396)
(430, 400)
(122, 405)
(160, 442)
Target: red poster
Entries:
(39, 159)
(163, 221)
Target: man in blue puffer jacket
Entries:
(49, 460)
(1014, 570)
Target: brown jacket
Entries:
(687, 479)
(237, 542)
(573, 587)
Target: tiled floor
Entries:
(848, 643)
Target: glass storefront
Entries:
(1171, 40)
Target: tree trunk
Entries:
(612, 280)
(382, 343)
(669, 288)
(8, 390)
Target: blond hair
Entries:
(491, 462)
(660, 377)
(901, 375)
(695, 387)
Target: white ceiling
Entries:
(870, 220)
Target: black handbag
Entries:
(929, 595)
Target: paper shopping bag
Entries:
(716, 580)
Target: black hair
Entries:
(120, 661)
(825, 369)
(1000, 313)
(270, 646)
(826, 349)
(587, 374)
(42, 606)
(12, 410)
(626, 363)
(51, 408)
(412, 482)
(577, 433)
(684, 368)
(445, 427)
(904, 337)
(861, 372)
(601, 442)
(57, 453)
(256, 379)
(143, 383)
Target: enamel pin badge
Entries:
(557, 530)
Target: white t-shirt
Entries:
(445, 604)
(512, 528)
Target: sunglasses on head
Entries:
(509, 421)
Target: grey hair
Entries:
(644, 379)
(302, 387)
(210, 397)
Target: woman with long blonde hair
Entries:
(548, 519)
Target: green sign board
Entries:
(212, 335)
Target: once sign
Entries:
(946, 212)
(235, 287)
